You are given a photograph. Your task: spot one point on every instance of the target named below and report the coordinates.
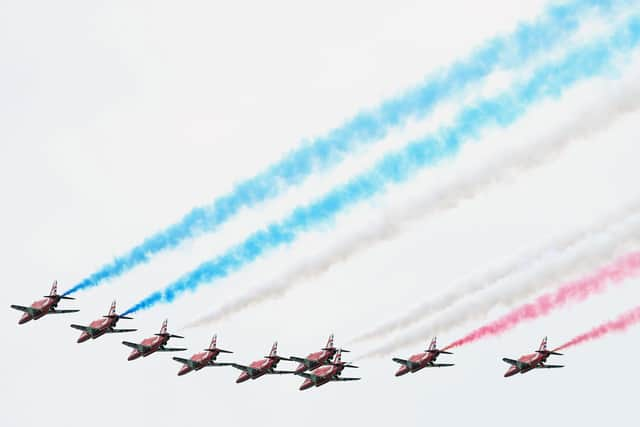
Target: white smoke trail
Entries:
(492, 277)
(622, 98)
(573, 261)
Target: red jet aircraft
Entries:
(151, 345)
(531, 361)
(261, 367)
(105, 325)
(422, 360)
(44, 306)
(319, 358)
(201, 360)
(327, 373)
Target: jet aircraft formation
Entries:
(317, 368)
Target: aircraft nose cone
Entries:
(401, 371)
(510, 372)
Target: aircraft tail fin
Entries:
(214, 341)
(543, 348)
(433, 348)
(214, 347)
(112, 312)
(163, 329)
(273, 354)
(433, 344)
(543, 345)
(331, 346)
(112, 309)
(54, 291)
(329, 342)
(338, 360)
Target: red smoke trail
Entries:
(620, 324)
(623, 268)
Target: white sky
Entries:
(115, 119)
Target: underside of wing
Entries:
(247, 369)
(63, 311)
(305, 362)
(439, 365)
(32, 311)
(116, 331)
(549, 366)
(141, 348)
(345, 379)
(273, 371)
(171, 349)
(305, 375)
(516, 363)
(409, 364)
(88, 329)
(190, 363)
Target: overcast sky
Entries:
(118, 117)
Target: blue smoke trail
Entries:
(365, 128)
(548, 81)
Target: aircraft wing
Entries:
(249, 370)
(32, 311)
(306, 375)
(344, 379)
(115, 331)
(63, 311)
(305, 362)
(439, 365)
(273, 371)
(171, 349)
(190, 363)
(409, 364)
(517, 363)
(141, 348)
(549, 366)
(312, 377)
(91, 331)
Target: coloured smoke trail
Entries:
(549, 80)
(557, 258)
(614, 101)
(624, 268)
(366, 128)
(620, 324)
(577, 260)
